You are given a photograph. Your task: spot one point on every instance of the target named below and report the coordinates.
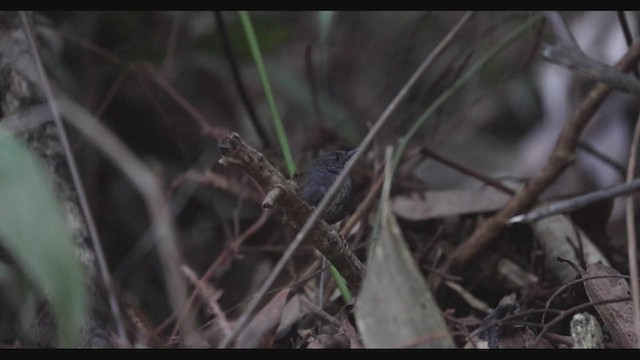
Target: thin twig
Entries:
(223, 261)
(209, 295)
(106, 54)
(77, 182)
(496, 322)
(631, 232)
(312, 79)
(465, 170)
(564, 35)
(620, 169)
(319, 311)
(585, 66)
(467, 296)
(111, 93)
(237, 79)
(571, 283)
(561, 315)
(170, 54)
(627, 36)
(577, 202)
(362, 208)
(208, 129)
(248, 313)
(575, 309)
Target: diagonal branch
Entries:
(562, 156)
(563, 33)
(568, 54)
(576, 60)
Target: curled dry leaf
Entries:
(618, 317)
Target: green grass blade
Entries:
(277, 122)
(341, 283)
(33, 230)
(266, 85)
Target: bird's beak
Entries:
(350, 153)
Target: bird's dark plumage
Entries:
(317, 179)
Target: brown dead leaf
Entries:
(436, 204)
(261, 331)
(618, 317)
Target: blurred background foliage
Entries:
(332, 73)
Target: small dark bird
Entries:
(320, 175)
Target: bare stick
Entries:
(584, 66)
(319, 310)
(562, 31)
(77, 182)
(570, 55)
(208, 129)
(221, 263)
(248, 313)
(577, 202)
(463, 169)
(586, 147)
(170, 54)
(631, 231)
(627, 35)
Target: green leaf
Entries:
(33, 229)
